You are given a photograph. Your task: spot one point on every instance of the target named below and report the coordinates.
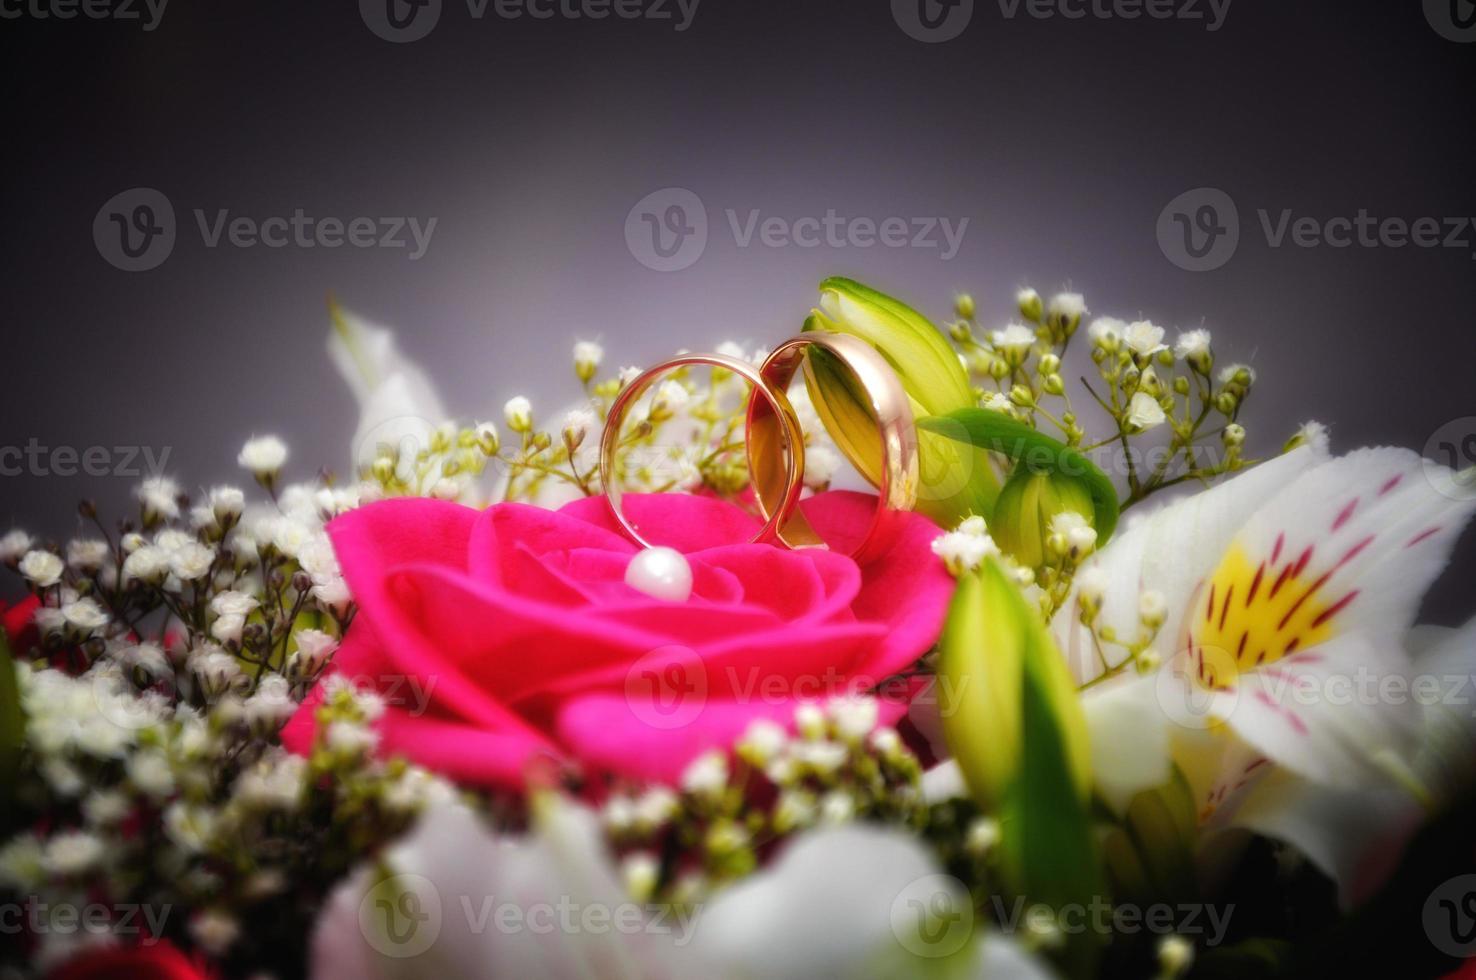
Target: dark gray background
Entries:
(1061, 142)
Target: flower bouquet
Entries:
(1110, 697)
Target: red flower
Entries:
(158, 961)
(20, 627)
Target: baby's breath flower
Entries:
(1193, 346)
(837, 806)
(641, 873)
(42, 568)
(1029, 304)
(72, 852)
(1238, 374)
(104, 808)
(1152, 608)
(1015, 339)
(22, 863)
(487, 438)
(160, 498)
(215, 931)
(852, 718)
(1144, 338)
(314, 647)
(964, 551)
(809, 720)
(1107, 332)
(587, 358)
(824, 757)
(348, 738)
(1175, 954)
(762, 741)
(269, 707)
(85, 615)
(1144, 412)
(14, 545)
(227, 503)
(706, 775)
(147, 563)
(518, 412)
(796, 809)
(983, 834)
(263, 457)
(272, 784)
(87, 554)
(191, 560)
(149, 772)
(1092, 583)
(656, 806)
(578, 423)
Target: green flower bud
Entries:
(994, 647)
(1027, 503)
(963, 305)
(954, 481)
(1031, 308)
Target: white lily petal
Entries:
(1171, 551)
(1129, 741)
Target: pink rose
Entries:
(498, 635)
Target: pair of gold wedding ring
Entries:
(775, 443)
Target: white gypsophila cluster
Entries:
(965, 548)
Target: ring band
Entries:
(888, 402)
(787, 442)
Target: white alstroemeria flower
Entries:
(1287, 591)
(454, 899)
(853, 901)
(399, 407)
(1144, 412)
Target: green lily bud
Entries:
(995, 658)
(955, 481)
(1026, 506)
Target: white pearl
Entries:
(661, 573)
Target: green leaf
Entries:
(1014, 439)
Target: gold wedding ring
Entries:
(776, 445)
(889, 406)
(787, 441)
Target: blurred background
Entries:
(612, 178)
